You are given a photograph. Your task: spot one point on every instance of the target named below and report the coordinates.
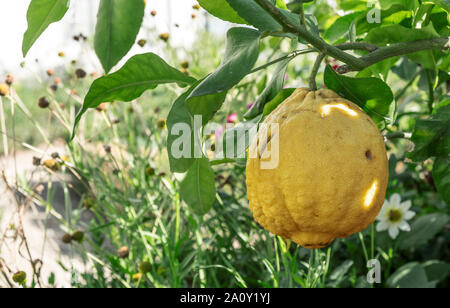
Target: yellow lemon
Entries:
(322, 174)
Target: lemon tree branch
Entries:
(316, 41)
(353, 63)
(399, 49)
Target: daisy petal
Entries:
(395, 199)
(393, 232)
(382, 226)
(404, 226)
(406, 205)
(408, 215)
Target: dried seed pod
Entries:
(36, 161)
(161, 123)
(66, 238)
(4, 89)
(142, 43)
(78, 236)
(149, 171)
(9, 79)
(43, 102)
(19, 277)
(137, 277)
(145, 267)
(52, 164)
(101, 107)
(164, 37)
(185, 64)
(107, 148)
(80, 73)
(123, 252)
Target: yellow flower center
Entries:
(395, 215)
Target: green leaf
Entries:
(272, 90)
(40, 14)
(235, 141)
(118, 24)
(255, 15)
(339, 273)
(431, 137)
(441, 177)
(240, 56)
(372, 94)
(280, 4)
(423, 229)
(221, 9)
(445, 4)
(384, 35)
(348, 5)
(205, 105)
(277, 100)
(411, 275)
(139, 74)
(436, 270)
(342, 25)
(197, 188)
(407, 4)
(179, 114)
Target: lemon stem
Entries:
(315, 70)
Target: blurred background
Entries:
(172, 16)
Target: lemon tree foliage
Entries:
(131, 81)
(42, 13)
(371, 94)
(413, 32)
(118, 24)
(411, 275)
(197, 188)
(271, 90)
(423, 230)
(222, 10)
(240, 56)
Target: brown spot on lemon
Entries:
(313, 196)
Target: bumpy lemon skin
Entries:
(332, 173)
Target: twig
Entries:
(315, 70)
(314, 40)
(398, 49)
(430, 90)
(403, 91)
(398, 135)
(288, 56)
(352, 63)
(302, 14)
(357, 46)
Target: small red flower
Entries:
(232, 118)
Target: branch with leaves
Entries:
(353, 63)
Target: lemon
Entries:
(331, 169)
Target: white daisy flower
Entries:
(394, 216)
